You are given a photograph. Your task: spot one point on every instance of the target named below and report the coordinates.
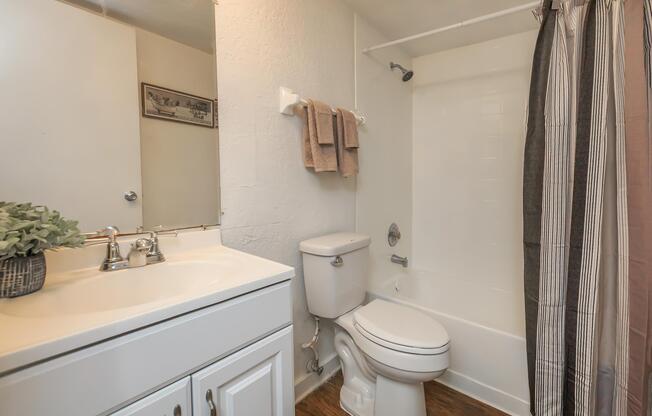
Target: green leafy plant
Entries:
(26, 229)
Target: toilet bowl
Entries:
(387, 351)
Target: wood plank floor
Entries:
(440, 401)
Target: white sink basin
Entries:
(92, 291)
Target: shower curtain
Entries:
(587, 206)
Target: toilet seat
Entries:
(399, 347)
(401, 328)
(394, 355)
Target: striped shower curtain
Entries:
(587, 208)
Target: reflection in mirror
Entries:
(109, 111)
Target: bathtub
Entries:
(486, 326)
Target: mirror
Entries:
(109, 111)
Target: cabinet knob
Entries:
(177, 410)
(131, 196)
(211, 404)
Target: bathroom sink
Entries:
(91, 291)
(80, 305)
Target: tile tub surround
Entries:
(469, 108)
(469, 123)
(34, 338)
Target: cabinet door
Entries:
(256, 381)
(173, 400)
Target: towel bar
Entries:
(288, 100)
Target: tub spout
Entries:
(403, 261)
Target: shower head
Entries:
(407, 73)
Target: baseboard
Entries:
(498, 399)
(493, 397)
(308, 383)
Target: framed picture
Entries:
(167, 104)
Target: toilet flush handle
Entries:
(338, 262)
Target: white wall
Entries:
(179, 161)
(384, 192)
(469, 112)
(442, 160)
(270, 201)
(69, 110)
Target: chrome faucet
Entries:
(154, 254)
(138, 253)
(143, 251)
(403, 261)
(113, 259)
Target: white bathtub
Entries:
(486, 326)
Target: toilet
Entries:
(387, 350)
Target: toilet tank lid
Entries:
(334, 244)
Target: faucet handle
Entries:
(154, 254)
(142, 244)
(113, 259)
(160, 230)
(110, 231)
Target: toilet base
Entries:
(356, 404)
(371, 388)
(359, 386)
(396, 398)
(392, 398)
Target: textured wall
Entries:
(384, 192)
(270, 201)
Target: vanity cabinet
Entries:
(173, 400)
(255, 381)
(239, 349)
(251, 382)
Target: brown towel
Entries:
(347, 158)
(323, 158)
(350, 129)
(305, 139)
(323, 121)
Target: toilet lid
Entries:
(401, 328)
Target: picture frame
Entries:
(171, 105)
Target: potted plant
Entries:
(26, 231)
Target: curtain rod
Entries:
(455, 26)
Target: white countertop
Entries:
(68, 314)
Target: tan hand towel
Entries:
(324, 122)
(350, 129)
(324, 156)
(347, 158)
(305, 139)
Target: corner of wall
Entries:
(384, 193)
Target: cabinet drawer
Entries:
(173, 400)
(257, 381)
(104, 377)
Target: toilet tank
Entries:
(335, 272)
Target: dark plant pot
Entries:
(21, 275)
